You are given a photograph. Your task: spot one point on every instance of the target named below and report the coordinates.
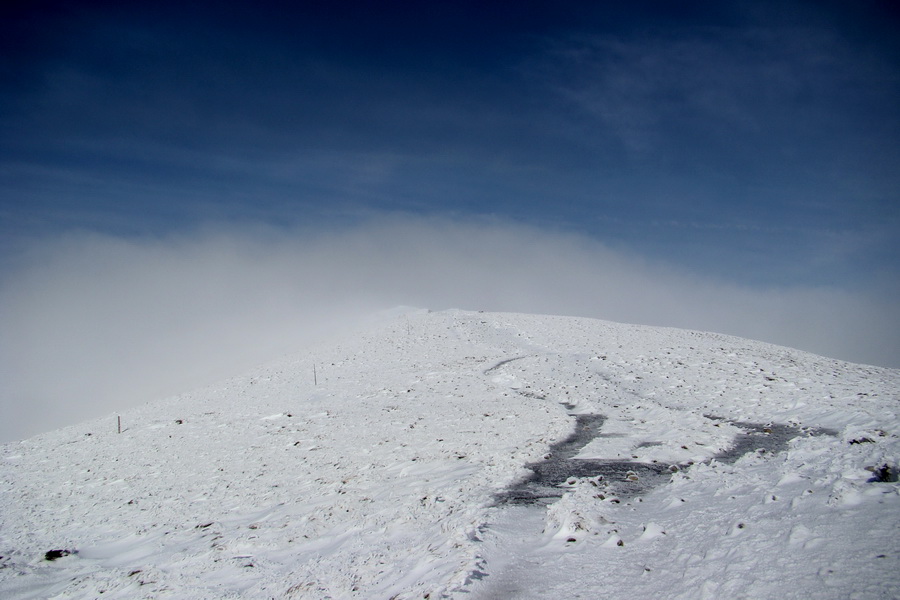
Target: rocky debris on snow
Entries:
(883, 474)
(52, 555)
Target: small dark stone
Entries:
(885, 474)
(179, 421)
(54, 554)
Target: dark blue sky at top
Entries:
(755, 142)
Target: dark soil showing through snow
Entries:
(772, 437)
(551, 477)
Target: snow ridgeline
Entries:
(381, 478)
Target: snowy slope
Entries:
(376, 467)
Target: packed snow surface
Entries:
(376, 467)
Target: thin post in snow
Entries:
(408, 329)
(119, 419)
(315, 377)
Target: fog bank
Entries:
(90, 324)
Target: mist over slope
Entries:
(373, 468)
(93, 323)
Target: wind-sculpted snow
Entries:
(379, 477)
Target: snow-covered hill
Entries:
(381, 467)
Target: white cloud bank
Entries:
(91, 324)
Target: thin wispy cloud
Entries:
(755, 95)
(92, 323)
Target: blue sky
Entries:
(748, 149)
(753, 141)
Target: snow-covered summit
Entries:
(374, 468)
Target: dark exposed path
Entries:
(626, 479)
(547, 481)
(762, 438)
